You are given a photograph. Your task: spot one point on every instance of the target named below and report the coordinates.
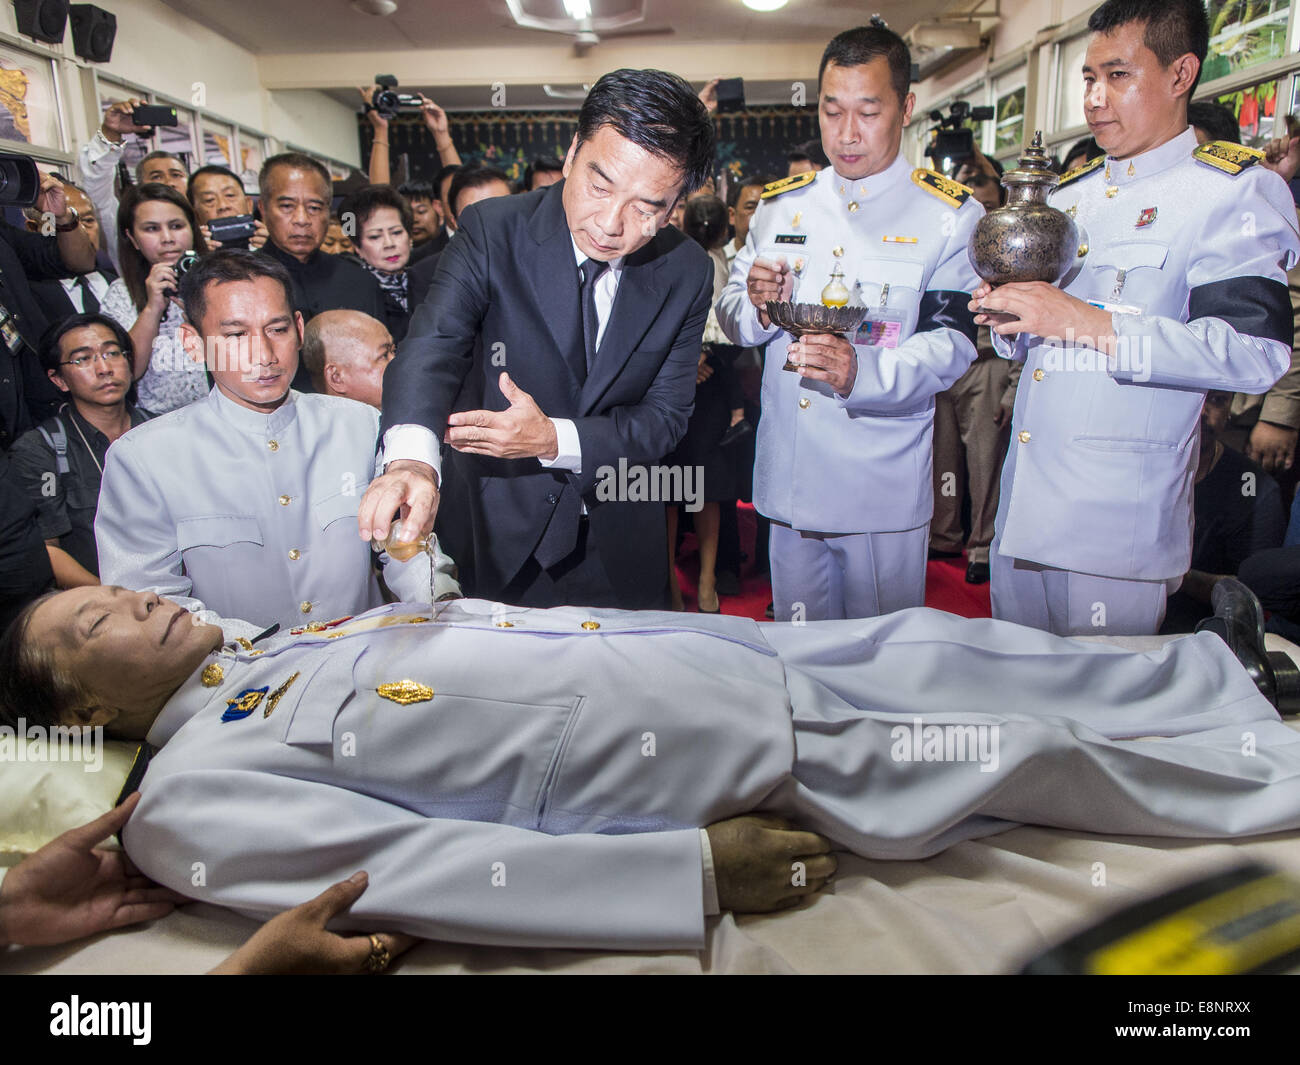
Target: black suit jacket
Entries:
(505, 297)
(54, 299)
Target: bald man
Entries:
(346, 353)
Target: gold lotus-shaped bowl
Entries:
(801, 318)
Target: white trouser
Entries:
(1074, 604)
(921, 729)
(829, 576)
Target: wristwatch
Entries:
(71, 224)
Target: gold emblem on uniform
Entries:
(899, 240)
(275, 695)
(244, 642)
(591, 625)
(405, 692)
(1228, 157)
(1112, 192)
(837, 251)
(794, 222)
(212, 675)
(1131, 171)
(954, 193)
(798, 181)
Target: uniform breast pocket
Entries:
(889, 282)
(209, 546)
(217, 532)
(337, 507)
(1132, 275)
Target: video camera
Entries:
(388, 102)
(950, 139)
(20, 181)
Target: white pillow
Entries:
(41, 800)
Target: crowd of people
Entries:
(198, 420)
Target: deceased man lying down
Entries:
(543, 777)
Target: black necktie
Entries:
(590, 269)
(89, 305)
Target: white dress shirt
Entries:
(417, 442)
(98, 288)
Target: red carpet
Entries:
(945, 580)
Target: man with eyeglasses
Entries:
(60, 463)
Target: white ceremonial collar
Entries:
(255, 422)
(861, 190)
(1161, 157)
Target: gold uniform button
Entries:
(853, 206)
(306, 607)
(1039, 375)
(505, 624)
(805, 403)
(1023, 436)
(1083, 250)
(294, 555)
(590, 625)
(1112, 192)
(284, 501)
(274, 445)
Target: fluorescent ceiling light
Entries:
(764, 5)
(578, 9)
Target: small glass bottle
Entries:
(835, 294)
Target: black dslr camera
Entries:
(388, 101)
(950, 139)
(182, 266)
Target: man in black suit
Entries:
(576, 315)
(80, 294)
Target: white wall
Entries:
(168, 52)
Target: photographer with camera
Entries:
(223, 209)
(97, 163)
(25, 394)
(157, 239)
(383, 103)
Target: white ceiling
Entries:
(322, 26)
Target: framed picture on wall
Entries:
(29, 105)
(1243, 34)
(1009, 128)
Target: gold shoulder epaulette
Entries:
(951, 192)
(1079, 171)
(1226, 156)
(798, 181)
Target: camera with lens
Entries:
(950, 139)
(20, 181)
(388, 101)
(182, 266)
(232, 231)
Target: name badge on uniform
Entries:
(9, 330)
(791, 238)
(881, 328)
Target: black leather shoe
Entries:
(977, 573)
(771, 610)
(1239, 621)
(735, 432)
